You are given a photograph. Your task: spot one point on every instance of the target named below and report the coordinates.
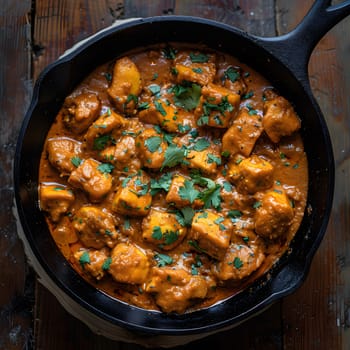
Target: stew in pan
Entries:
(173, 177)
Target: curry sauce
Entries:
(173, 177)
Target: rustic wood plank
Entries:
(16, 280)
(317, 315)
(60, 24)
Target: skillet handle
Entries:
(294, 48)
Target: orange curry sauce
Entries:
(173, 177)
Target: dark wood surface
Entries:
(35, 33)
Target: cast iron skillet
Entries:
(283, 60)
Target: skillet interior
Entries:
(59, 79)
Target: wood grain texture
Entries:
(317, 315)
(16, 299)
(34, 34)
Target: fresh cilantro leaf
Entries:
(201, 144)
(170, 237)
(231, 74)
(107, 264)
(184, 216)
(153, 143)
(163, 183)
(157, 233)
(199, 57)
(237, 262)
(186, 97)
(188, 192)
(163, 259)
(211, 197)
(105, 168)
(160, 108)
(173, 156)
(84, 259)
(76, 161)
(101, 142)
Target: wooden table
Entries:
(35, 33)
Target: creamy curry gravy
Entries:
(173, 177)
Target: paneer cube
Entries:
(174, 195)
(151, 148)
(129, 264)
(99, 133)
(274, 215)
(94, 262)
(56, 200)
(61, 153)
(279, 119)
(175, 289)
(240, 261)
(210, 233)
(251, 175)
(93, 177)
(133, 196)
(242, 134)
(95, 227)
(217, 106)
(80, 111)
(162, 229)
(126, 85)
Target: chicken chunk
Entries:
(251, 175)
(210, 233)
(99, 133)
(175, 289)
(95, 227)
(274, 216)
(61, 153)
(242, 134)
(133, 196)
(162, 229)
(151, 148)
(126, 85)
(123, 154)
(80, 111)
(93, 177)
(217, 106)
(195, 67)
(232, 79)
(242, 258)
(95, 262)
(56, 200)
(279, 119)
(129, 264)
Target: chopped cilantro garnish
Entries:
(105, 168)
(101, 142)
(237, 262)
(188, 192)
(153, 143)
(157, 233)
(84, 259)
(199, 57)
(163, 259)
(107, 264)
(231, 74)
(186, 97)
(173, 156)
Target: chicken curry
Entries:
(173, 177)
